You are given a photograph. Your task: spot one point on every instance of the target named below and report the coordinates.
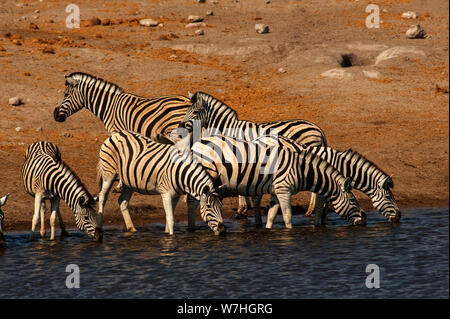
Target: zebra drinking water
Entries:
(148, 167)
(222, 119)
(282, 172)
(46, 176)
(365, 175)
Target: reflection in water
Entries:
(248, 262)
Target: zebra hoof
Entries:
(309, 212)
(131, 230)
(64, 233)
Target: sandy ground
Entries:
(394, 111)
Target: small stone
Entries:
(15, 101)
(19, 129)
(106, 22)
(48, 50)
(415, 31)
(200, 32)
(209, 13)
(196, 25)
(39, 129)
(371, 74)
(17, 42)
(193, 18)
(409, 15)
(33, 26)
(268, 2)
(37, 11)
(201, 1)
(94, 21)
(67, 134)
(261, 28)
(148, 22)
(281, 70)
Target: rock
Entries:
(201, 1)
(281, 70)
(94, 21)
(409, 15)
(398, 52)
(371, 74)
(196, 25)
(17, 42)
(14, 101)
(336, 74)
(106, 22)
(200, 32)
(67, 134)
(33, 26)
(415, 31)
(39, 129)
(48, 50)
(261, 28)
(19, 129)
(209, 13)
(148, 22)
(193, 18)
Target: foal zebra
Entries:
(119, 110)
(46, 176)
(221, 119)
(365, 175)
(282, 172)
(148, 167)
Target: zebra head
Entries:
(72, 101)
(196, 112)
(347, 206)
(211, 211)
(86, 219)
(384, 200)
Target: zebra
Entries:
(119, 110)
(236, 164)
(46, 176)
(2, 217)
(217, 116)
(148, 167)
(365, 175)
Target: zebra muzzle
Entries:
(98, 234)
(58, 117)
(220, 229)
(360, 220)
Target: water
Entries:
(413, 258)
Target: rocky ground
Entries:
(371, 89)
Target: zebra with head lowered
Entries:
(119, 110)
(254, 168)
(364, 174)
(219, 118)
(148, 167)
(46, 176)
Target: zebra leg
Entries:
(52, 224)
(320, 211)
(192, 208)
(42, 211)
(37, 208)
(55, 208)
(244, 202)
(118, 188)
(284, 197)
(312, 204)
(169, 202)
(103, 197)
(273, 210)
(257, 210)
(124, 200)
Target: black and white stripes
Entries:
(46, 176)
(148, 167)
(119, 110)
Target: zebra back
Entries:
(220, 119)
(119, 110)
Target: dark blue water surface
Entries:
(248, 262)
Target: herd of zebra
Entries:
(176, 145)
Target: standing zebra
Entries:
(46, 176)
(237, 164)
(148, 167)
(2, 217)
(119, 110)
(217, 116)
(364, 174)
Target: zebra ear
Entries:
(194, 97)
(70, 81)
(163, 139)
(82, 202)
(206, 190)
(190, 95)
(347, 184)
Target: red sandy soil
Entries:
(399, 120)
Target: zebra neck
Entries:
(68, 187)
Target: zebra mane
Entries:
(212, 102)
(84, 77)
(360, 156)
